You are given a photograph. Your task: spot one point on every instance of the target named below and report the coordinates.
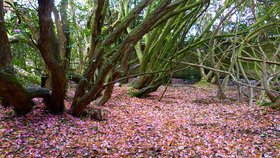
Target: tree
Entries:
(100, 42)
(49, 48)
(162, 46)
(107, 53)
(10, 89)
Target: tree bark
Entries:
(48, 46)
(5, 52)
(66, 31)
(15, 94)
(145, 91)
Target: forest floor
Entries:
(188, 122)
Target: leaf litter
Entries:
(187, 122)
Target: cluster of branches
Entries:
(153, 38)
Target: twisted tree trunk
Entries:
(49, 48)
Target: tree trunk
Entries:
(66, 29)
(109, 89)
(15, 94)
(143, 92)
(111, 58)
(49, 49)
(5, 52)
(11, 91)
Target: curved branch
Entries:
(38, 92)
